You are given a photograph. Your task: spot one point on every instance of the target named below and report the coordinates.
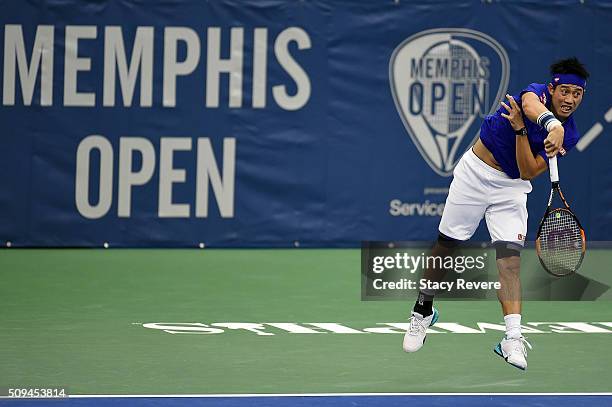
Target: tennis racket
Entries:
(560, 242)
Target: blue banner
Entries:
(275, 123)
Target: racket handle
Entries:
(554, 171)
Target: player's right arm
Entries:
(533, 108)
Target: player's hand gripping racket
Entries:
(560, 242)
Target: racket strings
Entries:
(561, 242)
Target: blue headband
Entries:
(568, 79)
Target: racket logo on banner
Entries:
(442, 80)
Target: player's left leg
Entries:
(508, 259)
(512, 346)
(507, 223)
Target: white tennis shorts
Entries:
(478, 191)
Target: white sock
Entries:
(513, 326)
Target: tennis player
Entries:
(491, 180)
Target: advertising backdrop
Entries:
(275, 123)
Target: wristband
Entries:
(548, 121)
(552, 124)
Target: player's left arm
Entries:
(530, 165)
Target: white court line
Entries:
(608, 115)
(326, 395)
(589, 136)
(264, 395)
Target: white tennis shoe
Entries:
(417, 332)
(513, 351)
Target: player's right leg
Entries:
(464, 209)
(415, 336)
(423, 314)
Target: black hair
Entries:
(569, 65)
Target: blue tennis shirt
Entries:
(498, 135)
